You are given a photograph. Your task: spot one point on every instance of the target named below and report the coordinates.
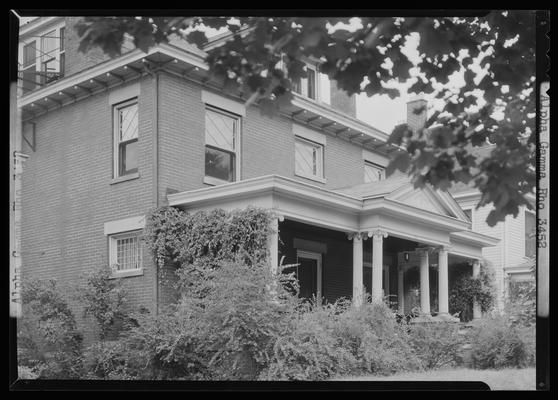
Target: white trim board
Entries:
(124, 225)
(223, 103)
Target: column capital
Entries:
(422, 250)
(444, 247)
(377, 233)
(278, 217)
(355, 235)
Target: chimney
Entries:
(414, 120)
(341, 101)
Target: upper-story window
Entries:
(309, 159)
(222, 130)
(373, 172)
(126, 138)
(530, 233)
(308, 86)
(42, 58)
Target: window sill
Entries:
(125, 178)
(312, 178)
(126, 274)
(209, 180)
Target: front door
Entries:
(309, 275)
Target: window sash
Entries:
(126, 252)
(220, 130)
(126, 133)
(308, 158)
(224, 169)
(373, 172)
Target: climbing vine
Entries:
(467, 288)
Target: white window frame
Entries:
(304, 83)
(113, 239)
(210, 180)
(313, 256)
(37, 38)
(376, 166)
(320, 162)
(534, 214)
(117, 177)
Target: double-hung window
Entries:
(308, 86)
(221, 146)
(125, 252)
(373, 172)
(42, 58)
(309, 159)
(530, 233)
(126, 138)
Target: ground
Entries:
(504, 379)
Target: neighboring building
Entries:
(108, 140)
(511, 259)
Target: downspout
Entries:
(156, 175)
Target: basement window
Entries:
(125, 253)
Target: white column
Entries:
(424, 283)
(377, 263)
(358, 287)
(477, 313)
(273, 248)
(443, 298)
(273, 245)
(401, 290)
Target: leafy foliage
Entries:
(467, 289)
(49, 343)
(103, 298)
(497, 344)
(500, 43)
(436, 344)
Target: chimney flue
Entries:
(416, 113)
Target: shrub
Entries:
(103, 298)
(497, 344)
(48, 340)
(466, 289)
(436, 344)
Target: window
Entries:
(126, 138)
(309, 159)
(308, 86)
(530, 233)
(43, 59)
(125, 252)
(221, 145)
(373, 172)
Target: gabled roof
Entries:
(400, 188)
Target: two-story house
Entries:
(108, 140)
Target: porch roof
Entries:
(334, 209)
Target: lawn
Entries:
(504, 379)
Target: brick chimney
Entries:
(416, 121)
(341, 101)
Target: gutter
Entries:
(156, 176)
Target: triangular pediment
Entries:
(424, 199)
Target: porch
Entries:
(385, 239)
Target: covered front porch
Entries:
(385, 239)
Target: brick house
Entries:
(108, 140)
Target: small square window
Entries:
(126, 138)
(221, 148)
(309, 158)
(125, 252)
(373, 172)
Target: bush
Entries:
(104, 299)
(436, 344)
(466, 289)
(497, 344)
(48, 340)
